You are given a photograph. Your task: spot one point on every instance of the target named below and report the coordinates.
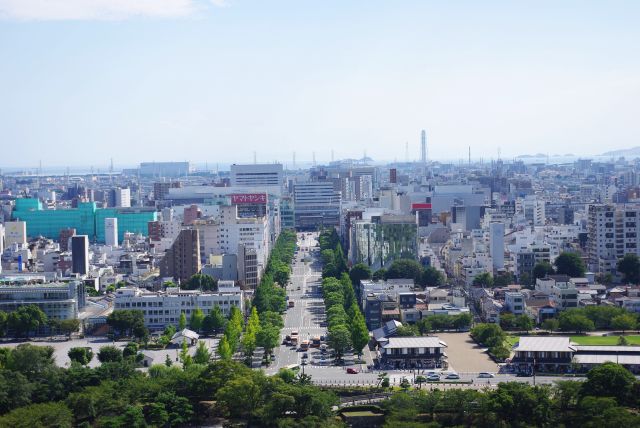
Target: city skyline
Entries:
(189, 79)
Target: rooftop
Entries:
(414, 342)
(544, 344)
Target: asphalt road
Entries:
(308, 313)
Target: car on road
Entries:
(352, 371)
(433, 377)
(486, 375)
(452, 376)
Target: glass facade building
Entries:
(87, 219)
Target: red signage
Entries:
(420, 206)
(249, 198)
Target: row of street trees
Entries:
(346, 324)
(29, 319)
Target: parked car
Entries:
(486, 375)
(433, 377)
(452, 376)
(352, 371)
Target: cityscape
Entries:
(247, 234)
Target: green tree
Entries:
(622, 341)
(507, 321)
(359, 272)
(610, 380)
(182, 324)
(185, 357)
(404, 268)
(202, 355)
(431, 277)
(197, 319)
(462, 321)
(339, 339)
(542, 269)
(69, 326)
(573, 320)
(503, 279)
(224, 350)
(268, 338)
(15, 390)
(570, 264)
(624, 322)
(39, 415)
(359, 332)
(214, 322)
(379, 274)
(629, 267)
(128, 323)
(109, 354)
(201, 282)
(130, 350)
(523, 322)
(551, 324)
(3, 323)
(25, 319)
(81, 355)
(484, 279)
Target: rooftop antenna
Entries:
(313, 156)
(469, 155)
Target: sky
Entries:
(84, 81)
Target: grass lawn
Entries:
(511, 340)
(603, 340)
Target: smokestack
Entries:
(423, 148)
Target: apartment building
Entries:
(613, 230)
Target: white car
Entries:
(452, 376)
(486, 375)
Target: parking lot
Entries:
(465, 356)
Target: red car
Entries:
(352, 371)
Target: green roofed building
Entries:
(86, 219)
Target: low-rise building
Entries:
(59, 301)
(413, 352)
(164, 307)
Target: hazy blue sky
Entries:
(85, 80)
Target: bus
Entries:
(294, 338)
(304, 345)
(315, 342)
(291, 303)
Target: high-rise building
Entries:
(182, 260)
(191, 214)
(613, 231)
(496, 244)
(111, 231)
(1, 239)
(316, 204)
(15, 232)
(80, 254)
(122, 197)
(256, 175)
(423, 147)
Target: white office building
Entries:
(316, 204)
(111, 231)
(123, 197)
(162, 308)
(257, 175)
